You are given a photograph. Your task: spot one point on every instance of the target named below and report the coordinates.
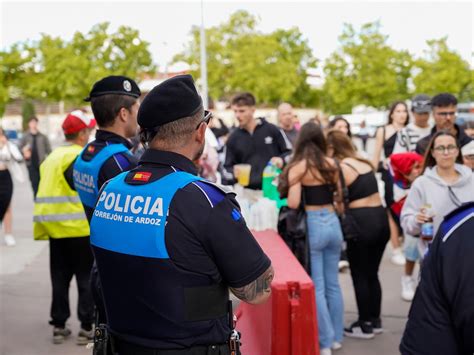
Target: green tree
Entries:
(15, 65)
(54, 69)
(240, 58)
(443, 70)
(365, 70)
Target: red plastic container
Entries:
(286, 324)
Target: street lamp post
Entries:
(203, 60)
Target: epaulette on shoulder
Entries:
(213, 192)
(455, 219)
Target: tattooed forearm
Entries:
(258, 291)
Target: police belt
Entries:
(120, 347)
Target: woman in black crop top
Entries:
(366, 252)
(313, 176)
(385, 139)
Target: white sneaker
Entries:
(10, 240)
(343, 264)
(336, 345)
(325, 351)
(397, 257)
(408, 288)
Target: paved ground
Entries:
(25, 294)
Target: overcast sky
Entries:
(166, 25)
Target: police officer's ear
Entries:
(200, 134)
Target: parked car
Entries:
(465, 113)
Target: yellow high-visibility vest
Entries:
(58, 209)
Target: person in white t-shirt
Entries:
(419, 128)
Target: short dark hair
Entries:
(107, 107)
(243, 99)
(71, 136)
(173, 134)
(33, 118)
(444, 100)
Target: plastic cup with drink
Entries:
(242, 173)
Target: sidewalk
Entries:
(25, 295)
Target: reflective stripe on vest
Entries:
(58, 211)
(86, 173)
(59, 217)
(131, 219)
(57, 199)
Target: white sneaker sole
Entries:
(359, 335)
(378, 330)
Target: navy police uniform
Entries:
(109, 154)
(168, 244)
(104, 158)
(441, 318)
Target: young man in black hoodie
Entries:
(254, 142)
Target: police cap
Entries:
(114, 84)
(169, 101)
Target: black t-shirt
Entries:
(113, 166)
(256, 149)
(422, 144)
(35, 160)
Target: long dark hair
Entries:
(393, 107)
(429, 160)
(336, 119)
(311, 147)
(343, 147)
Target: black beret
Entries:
(114, 84)
(169, 101)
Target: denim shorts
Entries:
(410, 248)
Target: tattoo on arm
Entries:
(254, 290)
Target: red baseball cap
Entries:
(77, 121)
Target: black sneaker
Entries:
(361, 330)
(60, 334)
(377, 326)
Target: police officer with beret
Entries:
(114, 102)
(441, 319)
(169, 244)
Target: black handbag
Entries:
(292, 228)
(350, 227)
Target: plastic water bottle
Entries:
(269, 175)
(427, 228)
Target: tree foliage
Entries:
(443, 70)
(53, 69)
(365, 70)
(240, 58)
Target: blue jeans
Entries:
(325, 240)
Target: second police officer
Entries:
(169, 244)
(114, 102)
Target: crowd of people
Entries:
(426, 169)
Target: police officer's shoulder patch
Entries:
(455, 219)
(213, 192)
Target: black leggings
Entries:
(6, 192)
(364, 257)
